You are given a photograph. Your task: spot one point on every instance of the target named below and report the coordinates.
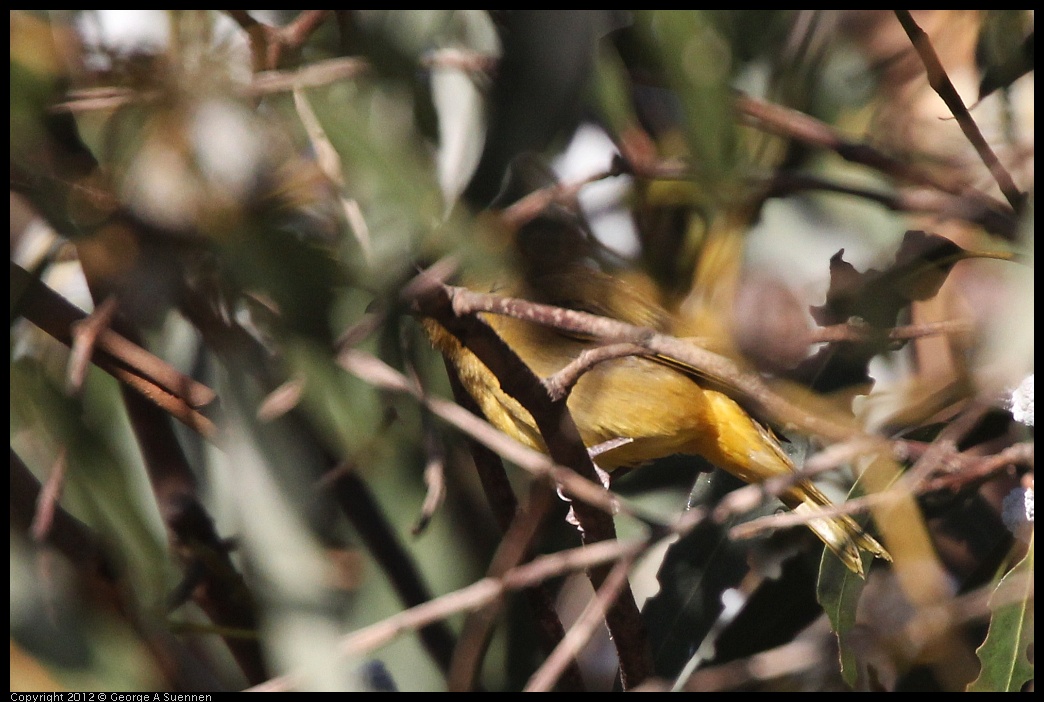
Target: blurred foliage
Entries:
(1007, 662)
(254, 221)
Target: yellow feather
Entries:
(657, 407)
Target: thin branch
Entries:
(515, 548)
(502, 501)
(85, 337)
(792, 124)
(920, 200)
(944, 447)
(559, 385)
(50, 495)
(268, 43)
(374, 371)
(50, 311)
(71, 537)
(753, 495)
(329, 162)
(982, 468)
(843, 452)
(477, 594)
(352, 494)
(564, 446)
(151, 377)
(488, 464)
(960, 470)
(858, 505)
(788, 659)
(100, 579)
(263, 83)
(589, 622)
(281, 400)
(533, 204)
(298, 31)
(701, 360)
(434, 480)
(313, 75)
(942, 85)
(470, 61)
(732, 607)
(806, 653)
(854, 332)
(354, 497)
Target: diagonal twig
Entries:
(475, 595)
(543, 680)
(504, 504)
(516, 547)
(85, 337)
(942, 85)
(154, 379)
(790, 123)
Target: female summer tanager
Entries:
(652, 403)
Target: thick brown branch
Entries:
(504, 505)
(564, 445)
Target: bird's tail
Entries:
(745, 448)
(840, 533)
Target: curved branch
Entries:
(748, 385)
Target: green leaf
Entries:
(1006, 664)
(838, 592)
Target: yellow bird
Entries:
(653, 403)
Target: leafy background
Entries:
(248, 195)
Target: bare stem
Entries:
(942, 85)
